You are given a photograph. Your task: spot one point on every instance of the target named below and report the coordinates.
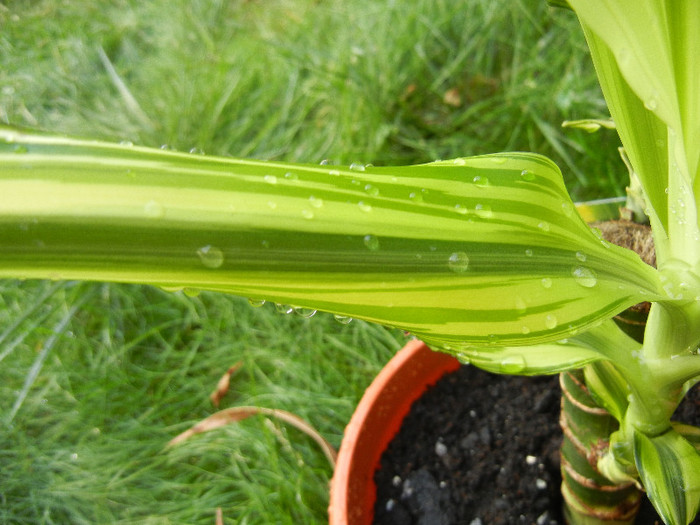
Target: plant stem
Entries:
(589, 497)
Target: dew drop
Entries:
(343, 319)
(498, 160)
(546, 282)
(480, 181)
(316, 202)
(371, 242)
(525, 330)
(528, 252)
(335, 173)
(567, 208)
(415, 196)
(459, 162)
(512, 364)
(458, 262)
(211, 256)
(356, 166)
(153, 209)
(651, 103)
(307, 214)
(256, 303)
(272, 205)
(371, 190)
(284, 308)
(197, 151)
(304, 312)
(581, 256)
(462, 210)
(550, 322)
(527, 175)
(520, 305)
(544, 226)
(484, 211)
(126, 143)
(291, 176)
(364, 206)
(325, 162)
(623, 56)
(270, 179)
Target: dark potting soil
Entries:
(483, 449)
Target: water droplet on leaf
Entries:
(356, 166)
(364, 206)
(256, 303)
(415, 196)
(270, 179)
(211, 256)
(304, 312)
(371, 190)
(371, 242)
(512, 364)
(343, 319)
(584, 276)
(527, 175)
(550, 322)
(480, 181)
(458, 262)
(153, 209)
(284, 308)
(651, 103)
(484, 211)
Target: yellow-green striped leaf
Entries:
(669, 467)
(473, 251)
(645, 52)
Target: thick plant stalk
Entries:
(589, 497)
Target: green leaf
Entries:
(643, 134)
(484, 250)
(547, 358)
(608, 387)
(669, 467)
(646, 56)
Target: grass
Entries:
(96, 378)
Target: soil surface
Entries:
(482, 449)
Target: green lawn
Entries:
(95, 379)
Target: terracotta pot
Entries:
(374, 424)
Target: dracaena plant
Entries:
(484, 257)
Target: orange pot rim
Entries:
(374, 424)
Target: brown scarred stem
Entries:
(589, 497)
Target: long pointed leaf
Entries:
(646, 55)
(471, 251)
